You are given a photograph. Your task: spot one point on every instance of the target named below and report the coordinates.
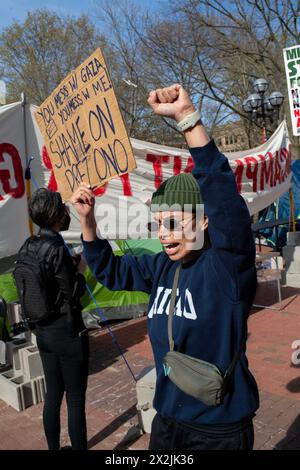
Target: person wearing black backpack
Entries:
(50, 287)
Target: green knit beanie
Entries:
(181, 190)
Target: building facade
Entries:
(231, 137)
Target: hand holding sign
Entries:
(83, 200)
(83, 129)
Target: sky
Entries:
(11, 10)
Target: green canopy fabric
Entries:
(115, 304)
(7, 288)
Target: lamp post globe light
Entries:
(260, 107)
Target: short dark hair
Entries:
(45, 208)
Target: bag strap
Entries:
(44, 249)
(237, 354)
(236, 357)
(40, 250)
(172, 306)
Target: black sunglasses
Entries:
(170, 223)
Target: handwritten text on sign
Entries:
(292, 66)
(83, 129)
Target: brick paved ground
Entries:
(111, 398)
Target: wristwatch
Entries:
(189, 121)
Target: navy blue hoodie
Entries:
(215, 294)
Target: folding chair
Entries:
(268, 274)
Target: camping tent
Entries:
(276, 236)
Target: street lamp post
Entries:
(260, 108)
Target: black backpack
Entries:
(35, 280)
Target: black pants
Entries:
(65, 363)
(170, 435)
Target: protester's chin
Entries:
(178, 255)
(175, 257)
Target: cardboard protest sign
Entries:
(292, 69)
(84, 130)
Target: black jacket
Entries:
(67, 285)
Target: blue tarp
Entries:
(283, 211)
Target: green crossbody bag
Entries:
(200, 379)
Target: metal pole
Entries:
(263, 118)
(27, 169)
(292, 206)
(263, 134)
(23, 100)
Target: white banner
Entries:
(13, 210)
(14, 226)
(263, 174)
(292, 69)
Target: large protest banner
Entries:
(83, 129)
(292, 67)
(262, 174)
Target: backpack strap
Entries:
(38, 246)
(44, 248)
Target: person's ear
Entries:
(204, 223)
